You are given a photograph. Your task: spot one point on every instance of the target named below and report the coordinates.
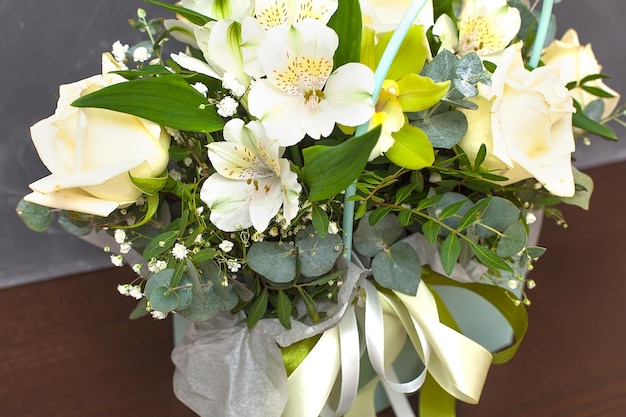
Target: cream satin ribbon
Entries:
(456, 362)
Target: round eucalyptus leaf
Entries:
(370, 240)
(73, 226)
(449, 199)
(317, 254)
(163, 299)
(276, 261)
(513, 241)
(500, 214)
(398, 268)
(163, 279)
(444, 130)
(213, 304)
(36, 217)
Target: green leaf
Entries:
(194, 17)
(346, 22)
(317, 255)
(513, 241)
(160, 293)
(309, 303)
(152, 205)
(597, 91)
(74, 226)
(284, 309)
(499, 215)
(444, 7)
(475, 213)
(167, 100)
(452, 209)
(404, 192)
(593, 77)
(320, 220)
(583, 191)
(450, 251)
(160, 244)
(378, 214)
(146, 71)
(411, 148)
(276, 261)
(204, 255)
(257, 309)
(534, 252)
(207, 308)
(36, 217)
(430, 230)
(490, 259)
(330, 169)
(405, 218)
(429, 202)
(585, 123)
(369, 240)
(444, 130)
(140, 310)
(442, 67)
(194, 277)
(398, 268)
(480, 156)
(150, 186)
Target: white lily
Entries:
(486, 27)
(252, 181)
(301, 94)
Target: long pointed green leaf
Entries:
(346, 22)
(330, 169)
(167, 100)
(194, 17)
(258, 309)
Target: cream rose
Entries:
(384, 15)
(525, 121)
(90, 152)
(576, 62)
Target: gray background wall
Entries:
(47, 43)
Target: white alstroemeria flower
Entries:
(252, 182)
(272, 13)
(220, 9)
(486, 27)
(221, 44)
(301, 94)
(384, 15)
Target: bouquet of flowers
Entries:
(300, 178)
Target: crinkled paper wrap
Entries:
(224, 369)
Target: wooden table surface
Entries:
(67, 348)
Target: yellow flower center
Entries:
(480, 35)
(273, 15)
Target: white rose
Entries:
(90, 152)
(384, 15)
(576, 62)
(525, 121)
